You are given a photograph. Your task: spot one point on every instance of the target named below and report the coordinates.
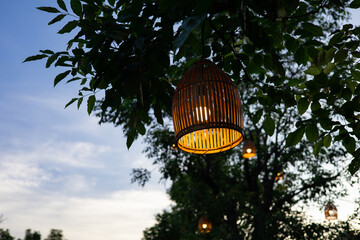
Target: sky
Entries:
(58, 167)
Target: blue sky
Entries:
(59, 168)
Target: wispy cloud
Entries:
(123, 215)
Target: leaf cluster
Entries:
(296, 53)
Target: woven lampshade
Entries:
(330, 211)
(207, 111)
(204, 225)
(249, 150)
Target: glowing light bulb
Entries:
(204, 226)
(331, 212)
(248, 150)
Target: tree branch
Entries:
(290, 196)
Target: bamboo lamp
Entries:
(330, 211)
(207, 110)
(249, 149)
(279, 176)
(204, 225)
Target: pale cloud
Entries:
(55, 184)
(122, 215)
(74, 154)
(19, 176)
(61, 166)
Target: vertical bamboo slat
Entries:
(207, 111)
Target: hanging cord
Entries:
(203, 40)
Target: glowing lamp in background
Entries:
(331, 211)
(279, 176)
(207, 110)
(204, 225)
(249, 150)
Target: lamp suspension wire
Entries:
(202, 39)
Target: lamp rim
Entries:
(207, 125)
(214, 150)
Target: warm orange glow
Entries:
(249, 150)
(207, 111)
(330, 211)
(204, 225)
(279, 176)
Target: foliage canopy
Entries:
(297, 53)
(296, 65)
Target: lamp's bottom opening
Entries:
(207, 141)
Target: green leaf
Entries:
(346, 94)
(315, 105)
(269, 125)
(313, 70)
(355, 4)
(68, 27)
(317, 147)
(354, 165)
(303, 105)
(328, 69)
(73, 79)
(314, 29)
(57, 19)
(130, 138)
(335, 39)
(257, 116)
(352, 85)
(47, 51)
(35, 57)
(158, 114)
(341, 55)
(349, 144)
(51, 59)
(49, 9)
(327, 141)
(79, 102)
(321, 58)
(356, 54)
(60, 77)
(71, 102)
(140, 128)
(90, 104)
(329, 55)
(76, 7)
(62, 5)
(188, 25)
(312, 132)
(295, 137)
(355, 74)
(292, 44)
(301, 56)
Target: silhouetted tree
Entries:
(32, 235)
(55, 234)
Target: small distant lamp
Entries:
(249, 150)
(204, 225)
(279, 176)
(330, 211)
